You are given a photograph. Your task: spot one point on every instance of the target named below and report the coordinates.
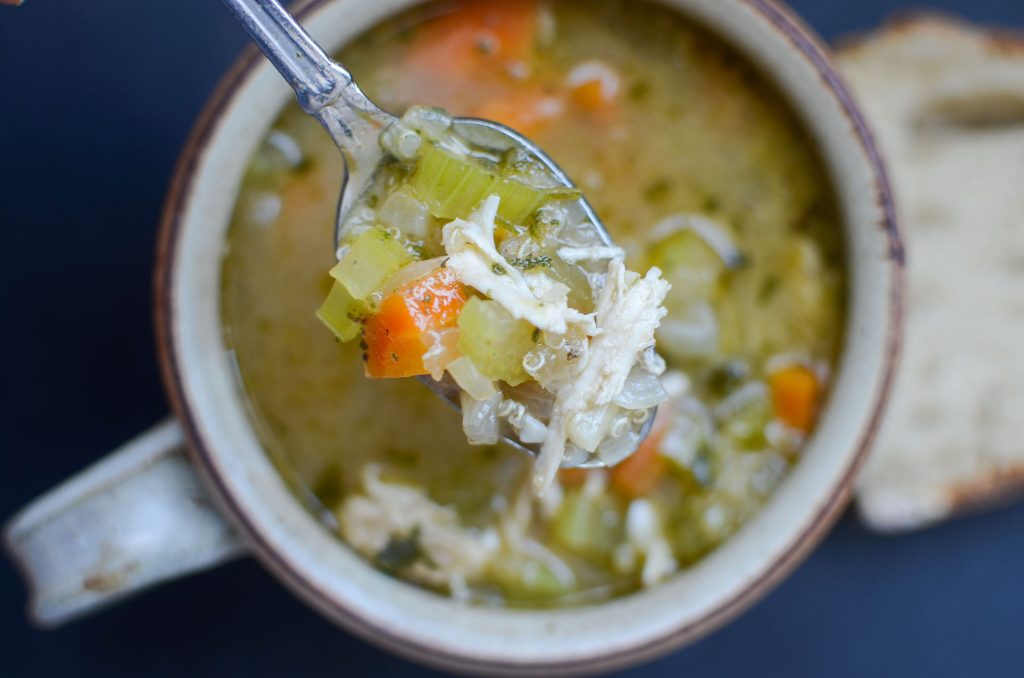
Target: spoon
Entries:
(326, 91)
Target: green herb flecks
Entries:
(402, 552)
(530, 263)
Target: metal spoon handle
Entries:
(323, 87)
(317, 79)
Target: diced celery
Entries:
(494, 340)
(581, 294)
(588, 525)
(374, 256)
(341, 313)
(692, 533)
(525, 579)
(454, 186)
(689, 264)
(746, 426)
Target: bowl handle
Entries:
(134, 519)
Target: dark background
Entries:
(96, 98)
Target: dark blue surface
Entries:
(96, 99)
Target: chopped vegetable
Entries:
(475, 39)
(341, 313)
(454, 186)
(470, 380)
(690, 263)
(495, 341)
(523, 578)
(638, 474)
(572, 477)
(403, 211)
(745, 413)
(594, 85)
(400, 552)
(373, 257)
(528, 111)
(587, 524)
(795, 395)
(399, 334)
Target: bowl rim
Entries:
(803, 41)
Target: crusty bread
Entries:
(946, 101)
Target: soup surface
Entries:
(694, 164)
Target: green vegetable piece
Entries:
(688, 250)
(401, 552)
(524, 579)
(454, 186)
(341, 313)
(746, 426)
(494, 340)
(588, 526)
(689, 264)
(374, 256)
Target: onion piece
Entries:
(714, 234)
(641, 391)
(480, 419)
(407, 274)
(403, 211)
(531, 430)
(693, 334)
(613, 450)
(443, 348)
(574, 456)
(589, 427)
(470, 379)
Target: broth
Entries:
(696, 139)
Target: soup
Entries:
(695, 165)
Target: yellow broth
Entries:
(694, 129)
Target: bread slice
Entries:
(946, 101)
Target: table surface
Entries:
(77, 225)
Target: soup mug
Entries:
(199, 489)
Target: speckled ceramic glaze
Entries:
(269, 522)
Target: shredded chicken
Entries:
(629, 309)
(476, 262)
(646, 535)
(451, 554)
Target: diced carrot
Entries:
(572, 477)
(593, 85)
(590, 95)
(475, 39)
(796, 394)
(526, 110)
(637, 475)
(397, 335)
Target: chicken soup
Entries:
(696, 166)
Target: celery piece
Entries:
(581, 294)
(341, 313)
(454, 186)
(524, 579)
(746, 426)
(689, 264)
(588, 526)
(374, 256)
(494, 340)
